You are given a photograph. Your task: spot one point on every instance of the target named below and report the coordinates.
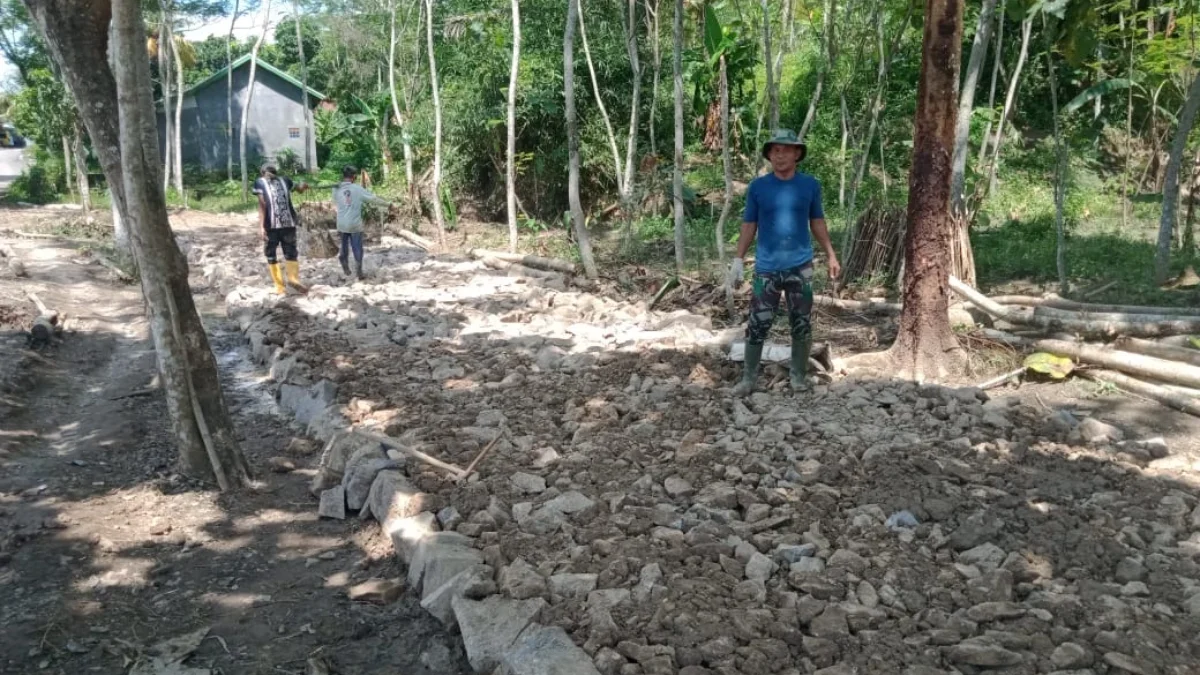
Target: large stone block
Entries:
(408, 533)
(545, 650)
(489, 627)
(393, 497)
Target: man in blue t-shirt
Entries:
(781, 208)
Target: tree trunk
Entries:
(677, 175)
(608, 128)
(727, 163)
(1060, 177)
(126, 143)
(654, 86)
(925, 346)
(308, 158)
(768, 64)
(966, 104)
(827, 64)
(229, 93)
(164, 79)
(177, 137)
(996, 61)
(1189, 231)
(439, 217)
(66, 154)
(1126, 205)
(1166, 226)
(81, 176)
(1009, 100)
(249, 99)
(581, 234)
(510, 173)
(400, 121)
(845, 143)
(635, 106)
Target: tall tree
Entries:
(608, 127)
(996, 61)
(396, 111)
(439, 217)
(1061, 166)
(1166, 223)
(115, 103)
(635, 107)
(308, 158)
(966, 103)
(510, 165)
(229, 93)
(1009, 101)
(246, 104)
(577, 221)
(657, 69)
(768, 63)
(925, 347)
(177, 136)
(165, 79)
(828, 63)
(81, 175)
(677, 174)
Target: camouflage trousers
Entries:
(769, 288)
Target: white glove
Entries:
(737, 270)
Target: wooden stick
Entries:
(1099, 289)
(112, 266)
(1161, 351)
(487, 449)
(519, 270)
(415, 454)
(870, 306)
(1181, 402)
(669, 284)
(1000, 379)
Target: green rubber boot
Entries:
(799, 376)
(750, 374)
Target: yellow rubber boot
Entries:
(277, 277)
(293, 275)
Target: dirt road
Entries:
(106, 551)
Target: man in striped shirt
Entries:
(278, 220)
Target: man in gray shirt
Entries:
(348, 199)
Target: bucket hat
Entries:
(784, 137)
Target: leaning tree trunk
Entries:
(966, 104)
(997, 59)
(249, 99)
(608, 127)
(581, 234)
(439, 217)
(828, 63)
(1166, 225)
(510, 168)
(925, 346)
(1009, 101)
(677, 174)
(66, 155)
(81, 176)
(119, 115)
(229, 94)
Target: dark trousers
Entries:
(769, 289)
(351, 241)
(285, 237)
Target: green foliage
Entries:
(40, 183)
(43, 110)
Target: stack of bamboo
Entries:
(1114, 340)
(877, 245)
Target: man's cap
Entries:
(784, 137)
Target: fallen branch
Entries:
(1091, 293)
(520, 270)
(414, 238)
(1054, 313)
(1135, 364)
(113, 267)
(415, 454)
(1062, 303)
(534, 261)
(667, 287)
(869, 306)
(1161, 351)
(1072, 322)
(1171, 399)
(1000, 379)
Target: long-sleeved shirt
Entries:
(348, 199)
